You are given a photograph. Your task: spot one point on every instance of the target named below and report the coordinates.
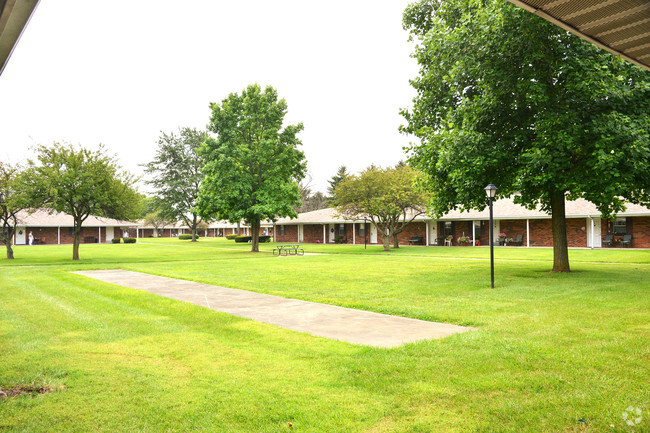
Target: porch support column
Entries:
(354, 233)
(593, 229)
(473, 234)
(527, 233)
(58, 235)
(137, 234)
(426, 227)
(324, 234)
(99, 239)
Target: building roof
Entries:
(14, 16)
(621, 27)
(503, 209)
(50, 218)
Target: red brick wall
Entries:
(512, 228)
(290, 234)
(641, 232)
(576, 232)
(49, 235)
(638, 227)
(313, 232)
(413, 230)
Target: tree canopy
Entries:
(387, 197)
(175, 173)
(80, 182)
(12, 201)
(253, 166)
(505, 97)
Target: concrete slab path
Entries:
(337, 323)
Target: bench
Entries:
(416, 240)
(288, 250)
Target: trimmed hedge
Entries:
(129, 240)
(231, 237)
(186, 237)
(116, 240)
(263, 238)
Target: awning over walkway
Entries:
(14, 16)
(621, 27)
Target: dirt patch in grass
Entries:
(32, 390)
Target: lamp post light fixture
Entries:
(491, 191)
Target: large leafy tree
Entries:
(80, 182)
(11, 202)
(387, 197)
(254, 164)
(505, 97)
(175, 174)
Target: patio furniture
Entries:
(448, 241)
(519, 240)
(608, 241)
(416, 240)
(627, 241)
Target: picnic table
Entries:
(288, 250)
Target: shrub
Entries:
(265, 238)
(116, 240)
(231, 237)
(186, 237)
(243, 239)
(341, 240)
(129, 240)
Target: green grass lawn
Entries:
(550, 349)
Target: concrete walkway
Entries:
(337, 323)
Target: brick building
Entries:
(214, 229)
(585, 227)
(49, 227)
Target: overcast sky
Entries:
(119, 72)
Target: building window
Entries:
(362, 229)
(448, 228)
(281, 230)
(620, 227)
(341, 230)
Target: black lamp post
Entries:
(491, 191)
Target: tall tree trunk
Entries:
(8, 235)
(395, 241)
(255, 233)
(558, 224)
(385, 237)
(77, 240)
(238, 229)
(194, 228)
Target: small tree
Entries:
(11, 202)
(175, 173)
(80, 182)
(387, 197)
(341, 174)
(253, 166)
(157, 221)
(310, 201)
